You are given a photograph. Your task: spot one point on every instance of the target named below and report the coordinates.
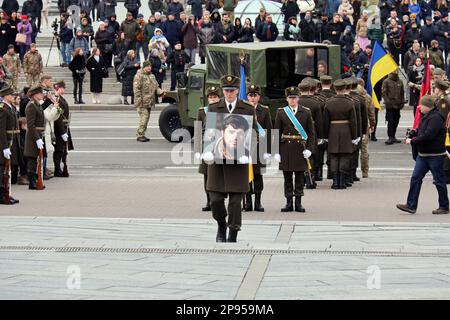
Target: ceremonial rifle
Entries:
(65, 172)
(308, 165)
(6, 182)
(40, 181)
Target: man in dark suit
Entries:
(228, 179)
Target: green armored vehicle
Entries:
(271, 65)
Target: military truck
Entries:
(271, 65)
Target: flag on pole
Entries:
(380, 66)
(424, 90)
(243, 96)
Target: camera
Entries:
(55, 27)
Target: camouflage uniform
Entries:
(12, 62)
(32, 67)
(365, 137)
(146, 90)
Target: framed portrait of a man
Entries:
(228, 137)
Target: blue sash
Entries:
(295, 122)
(261, 131)
(206, 109)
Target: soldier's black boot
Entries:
(289, 207)
(335, 184)
(208, 204)
(248, 202)
(32, 179)
(221, 230)
(342, 179)
(232, 235)
(258, 206)
(298, 204)
(308, 183)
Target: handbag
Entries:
(121, 69)
(105, 73)
(21, 38)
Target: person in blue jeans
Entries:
(65, 37)
(429, 141)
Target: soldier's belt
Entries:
(291, 137)
(40, 128)
(12, 131)
(66, 121)
(340, 122)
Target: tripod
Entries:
(58, 45)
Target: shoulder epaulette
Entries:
(306, 108)
(263, 106)
(1, 105)
(248, 103)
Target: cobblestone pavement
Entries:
(41, 258)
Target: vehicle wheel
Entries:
(169, 121)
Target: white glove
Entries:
(277, 157)
(266, 156)
(356, 141)
(325, 140)
(306, 153)
(320, 141)
(40, 144)
(7, 153)
(198, 155)
(65, 137)
(244, 160)
(208, 156)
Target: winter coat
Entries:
(130, 28)
(375, 33)
(149, 31)
(228, 32)
(411, 35)
(393, 92)
(262, 31)
(35, 125)
(205, 36)
(5, 30)
(431, 132)
(246, 35)
(32, 63)
(172, 32)
(361, 28)
(415, 76)
(132, 5)
(27, 29)
(110, 7)
(86, 5)
(196, 7)
(338, 28)
(436, 58)
(308, 33)
(175, 9)
(290, 9)
(157, 6)
(128, 75)
(441, 28)
(427, 34)
(348, 7)
(292, 32)
(178, 60)
(64, 4)
(146, 90)
(65, 35)
(331, 6)
(78, 67)
(79, 43)
(102, 38)
(157, 66)
(10, 6)
(190, 32)
(96, 70)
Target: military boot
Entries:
(348, 179)
(248, 202)
(32, 179)
(289, 207)
(335, 184)
(298, 204)
(309, 181)
(342, 179)
(232, 235)
(221, 230)
(258, 206)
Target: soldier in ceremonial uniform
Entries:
(364, 123)
(326, 90)
(315, 105)
(340, 129)
(213, 96)
(63, 141)
(264, 132)
(35, 132)
(9, 132)
(442, 104)
(47, 90)
(225, 179)
(297, 137)
(146, 92)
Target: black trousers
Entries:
(340, 162)
(205, 179)
(31, 165)
(257, 185)
(291, 190)
(234, 208)
(355, 160)
(134, 13)
(392, 118)
(77, 88)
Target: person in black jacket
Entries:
(427, 32)
(335, 29)
(308, 27)
(10, 6)
(78, 68)
(430, 144)
(178, 59)
(290, 9)
(96, 66)
(247, 32)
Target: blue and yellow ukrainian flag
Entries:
(243, 96)
(381, 65)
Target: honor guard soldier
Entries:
(63, 142)
(442, 104)
(35, 132)
(213, 96)
(308, 100)
(264, 126)
(9, 135)
(364, 122)
(326, 84)
(47, 90)
(225, 179)
(340, 129)
(296, 128)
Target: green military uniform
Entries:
(35, 131)
(442, 103)
(228, 180)
(394, 100)
(365, 137)
(314, 104)
(265, 121)
(9, 139)
(340, 128)
(364, 124)
(146, 91)
(203, 167)
(292, 146)
(61, 127)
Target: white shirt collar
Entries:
(294, 109)
(233, 105)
